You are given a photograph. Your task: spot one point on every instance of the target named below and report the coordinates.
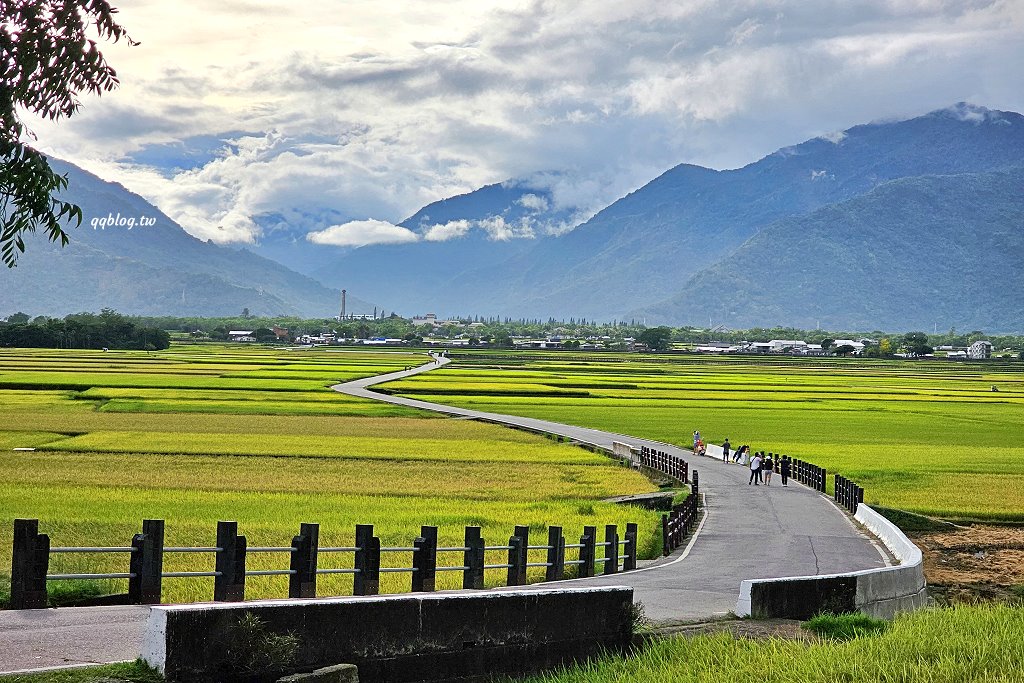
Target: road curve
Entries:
(748, 532)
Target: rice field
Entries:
(949, 645)
(194, 435)
(928, 436)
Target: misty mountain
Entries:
(644, 247)
(910, 254)
(473, 231)
(156, 269)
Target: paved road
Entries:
(748, 532)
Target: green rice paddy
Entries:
(198, 434)
(928, 436)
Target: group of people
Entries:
(761, 465)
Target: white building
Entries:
(858, 346)
(242, 335)
(428, 319)
(780, 345)
(980, 350)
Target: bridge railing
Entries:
(145, 564)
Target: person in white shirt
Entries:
(755, 470)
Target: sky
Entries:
(345, 117)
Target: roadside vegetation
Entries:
(948, 645)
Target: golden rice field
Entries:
(199, 434)
(928, 436)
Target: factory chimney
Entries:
(342, 317)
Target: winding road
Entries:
(747, 533)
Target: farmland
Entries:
(197, 434)
(928, 436)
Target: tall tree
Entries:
(47, 59)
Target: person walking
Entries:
(725, 450)
(784, 469)
(755, 470)
(745, 455)
(768, 467)
(696, 439)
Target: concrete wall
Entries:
(878, 592)
(411, 637)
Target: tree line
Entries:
(108, 329)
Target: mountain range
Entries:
(153, 269)
(894, 224)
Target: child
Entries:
(767, 466)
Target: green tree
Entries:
(885, 347)
(18, 317)
(656, 338)
(47, 59)
(916, 344)
(843, 350)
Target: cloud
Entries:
(533, 202)
(447, 231)
(362, 233)
(406, 103)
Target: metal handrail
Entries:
(187, 575)
(193, 550)
(399, 550)
(387, 570)
(71, 577)
(338, 571)
(271, 572)
(271, 550)
(96, 549)
(451, 569)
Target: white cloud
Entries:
(362, 233)
(406, 102)
(533, 202)
(447, 231)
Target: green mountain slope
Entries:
(913, 253)
(156, 269)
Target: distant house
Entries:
(980, 350)
(858, 346)
(428, 319)
(242, 335)
(281, 333)
(783, 345)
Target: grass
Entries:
(929, 437)
(154, 444)
(949, 645)
(129, 672)
(845, 626)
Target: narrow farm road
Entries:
(748, 532)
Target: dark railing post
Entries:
(367, 561)
(611, 549)
(555, 571)
(695, 486)
(823, 480)
(666, 549)
(473, 559)
(860, 499)
(515, 561)
(629, 550)
(425, 560)
(302, 584)
(229, 584)
(522, 532)
(29, 563)
(147, 564)
(588, 551)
